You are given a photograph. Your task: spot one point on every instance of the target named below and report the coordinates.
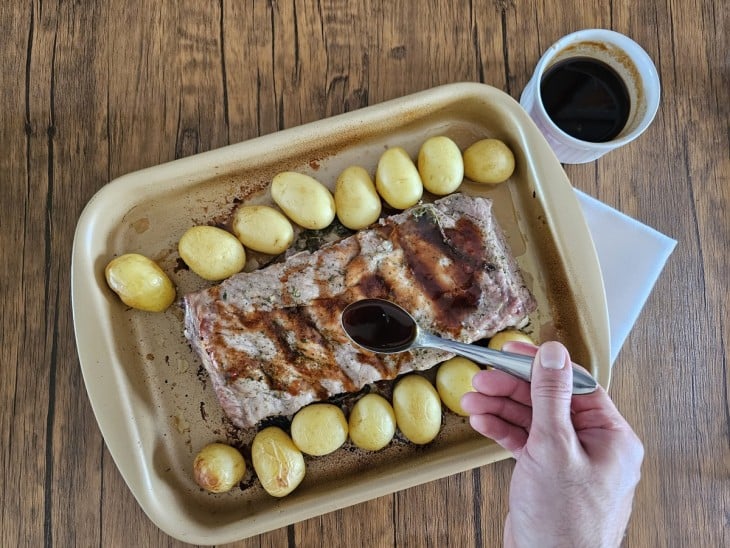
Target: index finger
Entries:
(501, 384)
(505, 385)
(598, 401)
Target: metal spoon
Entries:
(384, 327)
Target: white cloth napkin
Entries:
(631, 256)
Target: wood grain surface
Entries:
(93, 90)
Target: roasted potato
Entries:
(417, 408)
(372, 422)
(319, 429)
(489, 161)
(498, 340)
(218, 468)
(278, 463)
(140, 282)
(356, 200)
(211, 252)
(440, 165)
(397, 179)
(262, 228)
(453, 380)
(304, 199)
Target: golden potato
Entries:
(417, 408)
(397, 179)
(489, 161)
(453, 380)
(211, 252)
(304, 199)
(498, 340)
(319, 429)
(218, 467)
(440, 165)
(278, 463)
(262, 228)
(356, 201)
(372, 422)
(140, 282)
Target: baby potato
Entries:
(304, 199)
(140, 282)
(211, 252)
(278, 463)
(397, 179)
(498, 340)
(356, 200)
(218, 467)
(453, 380)
(417, 409)
(440, 165)
(319, 429)
(372, 422)
(262, 228)
(489, 161)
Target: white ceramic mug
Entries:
(628, 59)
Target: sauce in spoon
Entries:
(379, 325)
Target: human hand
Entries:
(578, 460)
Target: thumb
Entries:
(552, 389)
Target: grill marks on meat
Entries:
(272, 341)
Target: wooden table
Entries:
(93, 90)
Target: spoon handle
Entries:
(518, 365)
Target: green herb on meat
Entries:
(312, 240)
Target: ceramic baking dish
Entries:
(151, 397)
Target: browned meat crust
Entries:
(272, 342)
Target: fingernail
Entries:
(552, 355)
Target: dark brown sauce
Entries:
(451, 285)
(379, 325)
(586, 98)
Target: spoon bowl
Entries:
(383, 327)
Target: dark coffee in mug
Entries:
(586, 98)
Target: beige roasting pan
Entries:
(153, 402)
